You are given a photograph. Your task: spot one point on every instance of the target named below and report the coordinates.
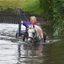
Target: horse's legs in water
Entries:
(26, 34)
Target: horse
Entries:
(34, 34)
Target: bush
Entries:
(53, 10)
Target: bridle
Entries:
(33, 39)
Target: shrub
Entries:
(53, 10)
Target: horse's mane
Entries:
(39, 30)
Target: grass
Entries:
(31, 6)
(13, 4)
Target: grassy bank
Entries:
(13, 4)
(31, 6)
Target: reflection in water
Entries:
(19, 53)
(30, 53)
(8, 52)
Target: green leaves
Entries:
(53, 10)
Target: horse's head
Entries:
(31, 33)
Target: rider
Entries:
(33, 21)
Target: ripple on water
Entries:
(8, 52)
(9, 47)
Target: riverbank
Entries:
(26, 5)
(11, 16)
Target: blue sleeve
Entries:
(38, 25)
(24, 23)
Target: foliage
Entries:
(32, 6)
(53, 10)
(46, 6)
(58, 15)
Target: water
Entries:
(11, 53)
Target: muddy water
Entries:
(12, 53)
